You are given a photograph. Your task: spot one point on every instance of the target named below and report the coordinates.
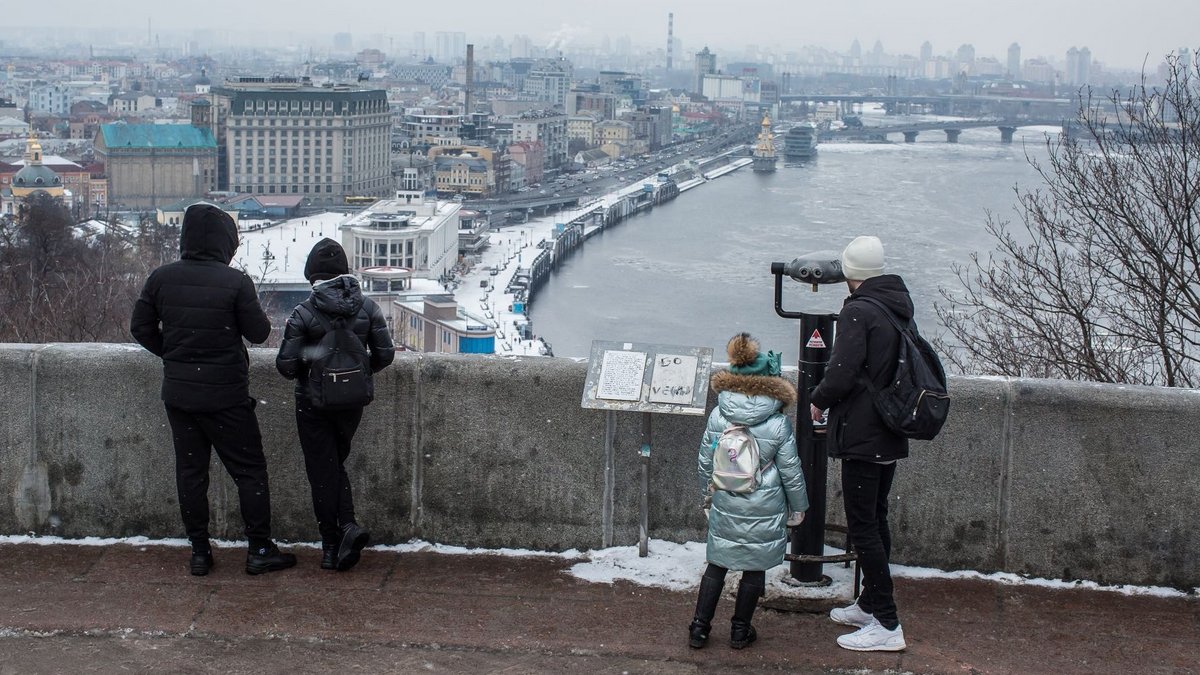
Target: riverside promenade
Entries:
(123, 608)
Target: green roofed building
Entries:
(151, 165)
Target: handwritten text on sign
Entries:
(673, 379)
(621, 376)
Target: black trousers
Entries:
(325, 438)
(234, 433)
(865, 488)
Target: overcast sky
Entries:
(1119, 34)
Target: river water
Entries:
(697, 270)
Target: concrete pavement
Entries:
(74, 609)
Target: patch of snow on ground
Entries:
(672, 566)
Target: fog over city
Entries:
(1122, 38)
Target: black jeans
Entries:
(234, 433)
(325, 438)
(865, 487)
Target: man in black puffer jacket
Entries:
(194, 313)
(866, 347)
(325, 435)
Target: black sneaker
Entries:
(329, 558)
(354, 540)
(268, 559)
(201, 563)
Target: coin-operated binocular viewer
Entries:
(816, 341)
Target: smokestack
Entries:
(670, 39)
(470, 80)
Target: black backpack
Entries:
(339, 374)
(915, 402)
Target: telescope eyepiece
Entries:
(822, 267)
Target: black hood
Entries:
(890, 290)
(208, 234)
(325, 261)
(341, 296)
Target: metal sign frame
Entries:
(645, 378)
(664, 387)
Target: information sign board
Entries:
(645, 377)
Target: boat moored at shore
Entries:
(800, 142)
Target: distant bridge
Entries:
(952, 129)
(540, 203)
(947, 104)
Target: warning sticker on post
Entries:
(815, 342)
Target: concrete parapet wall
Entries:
(1047, 478)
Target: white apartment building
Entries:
(548, 127)
(731, 88)
(394, 240)
(425, 127)
(285, 136)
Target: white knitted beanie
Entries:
(863, 258)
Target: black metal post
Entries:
(816, 341)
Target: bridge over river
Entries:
(952, 129)
(959, 105)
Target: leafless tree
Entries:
(1101, 281)
(63, 282)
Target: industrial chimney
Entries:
(470, 81)
(670, 40)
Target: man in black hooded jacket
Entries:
(866, 348)
(193, 314)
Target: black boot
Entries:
(706, 606)
(202, 559)
(354, 539)
(201, 563)
(741, 633)
(329, 557)
(268, 559)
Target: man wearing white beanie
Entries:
(865, 350)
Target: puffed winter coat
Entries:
(339, 299)
(866, 346)
(749, 531)
(194, 313)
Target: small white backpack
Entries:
(735, 461)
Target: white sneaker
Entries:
(851, 616)
(874, 638)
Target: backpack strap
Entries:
(743, 427)
(887, 311)
(902, 330)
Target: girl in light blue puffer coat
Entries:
(748, 532)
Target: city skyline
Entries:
(1042, 30)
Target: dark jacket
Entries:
(193, 313)
(340, 300)
(866, 343)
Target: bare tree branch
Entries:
(1101, 279)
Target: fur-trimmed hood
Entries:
(753, 373)
(755, 385)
